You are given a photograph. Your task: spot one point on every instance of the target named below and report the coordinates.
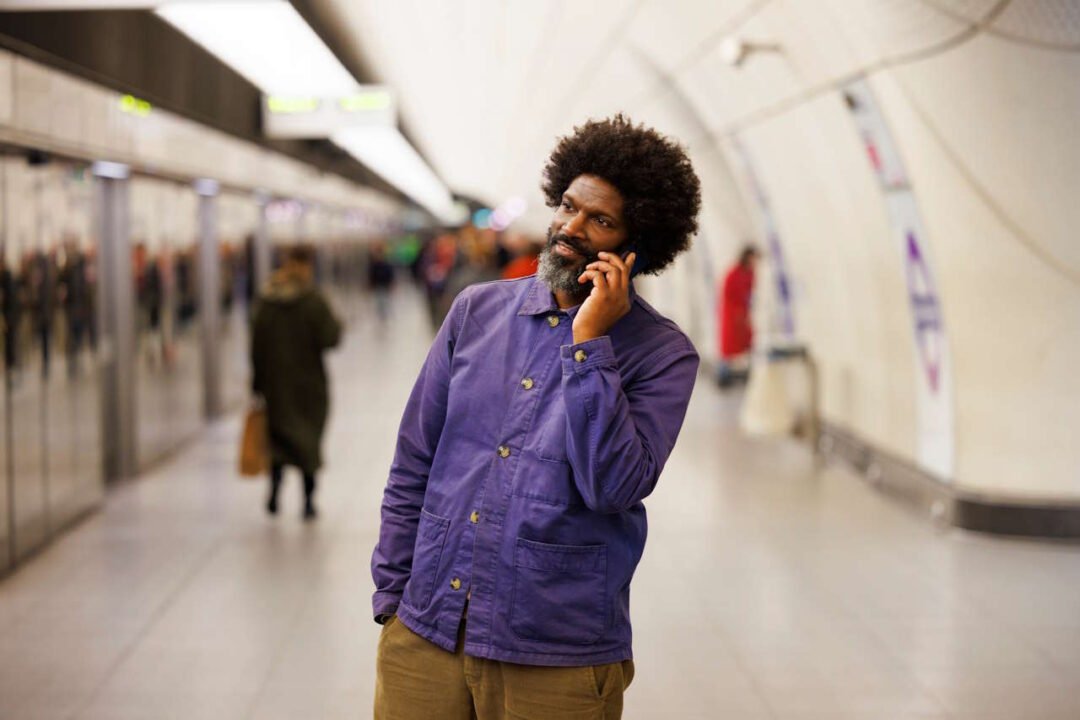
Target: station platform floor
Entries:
(769, 588)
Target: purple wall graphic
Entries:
(933, 381)
(926, 311)
(772, 241)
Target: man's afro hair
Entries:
(660, 191)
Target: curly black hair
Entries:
(660, 190)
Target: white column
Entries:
(209, 297)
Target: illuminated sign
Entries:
(300, 117)
(366, 101)
(288, 105)
(135, 106)
(482, 218)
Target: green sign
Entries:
(374, 100)
(135, 106)
(291, 105)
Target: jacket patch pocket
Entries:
(560, 592)
(550, 483)
(430, 539)
(550, 431)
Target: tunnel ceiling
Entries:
(486, 86)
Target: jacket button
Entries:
(455, 583)
(474, 518)
(553, 321)
(527, 383)
(504, 452)
(580, 356)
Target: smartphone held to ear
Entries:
(640, 261)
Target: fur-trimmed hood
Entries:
(285, 287)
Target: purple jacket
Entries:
(521, 464)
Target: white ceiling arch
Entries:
(487, 85)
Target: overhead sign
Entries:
(297, 117)
(135, 106)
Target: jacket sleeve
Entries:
(257, 351)
(418, 438)
(327, 326)
(619, 438)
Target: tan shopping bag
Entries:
(254, 444)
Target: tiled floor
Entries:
(768, 589)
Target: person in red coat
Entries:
(524, 264)
(733, 309)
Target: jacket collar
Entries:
(539, 300)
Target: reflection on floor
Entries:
(768, 589)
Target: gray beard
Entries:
(561, 275)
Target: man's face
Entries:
(588, 220)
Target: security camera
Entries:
(735, 50)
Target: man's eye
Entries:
(603, 221)
(566, 204)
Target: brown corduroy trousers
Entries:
(417, 680)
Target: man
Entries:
(736, 331)
(380, 279)
(512, 520)
(292, 327)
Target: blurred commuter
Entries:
(526, 258)
(74, 292)
(436, 263)
(476, 263)
(736, 330)
(512, 520)
(9, 313)
(292, 327)
(380, 279)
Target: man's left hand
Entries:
(609, 299)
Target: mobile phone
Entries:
(640, 263)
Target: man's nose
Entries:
(575, 226)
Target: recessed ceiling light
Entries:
(267, 42)
(386, 151)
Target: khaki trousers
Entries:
(417, 680)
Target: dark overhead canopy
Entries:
(136, 52)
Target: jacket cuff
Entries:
(384, 604)
(582, 357)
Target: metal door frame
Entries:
(116, 320)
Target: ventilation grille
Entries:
(1052, 23)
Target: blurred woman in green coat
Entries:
(292, 327)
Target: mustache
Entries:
(574, 244)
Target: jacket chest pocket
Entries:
(430, 539)
(560, 592)
(549, 431)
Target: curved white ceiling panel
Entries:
(677, 34)
(880, 29)
(972, 11)
(998, 131)
(486, 86)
